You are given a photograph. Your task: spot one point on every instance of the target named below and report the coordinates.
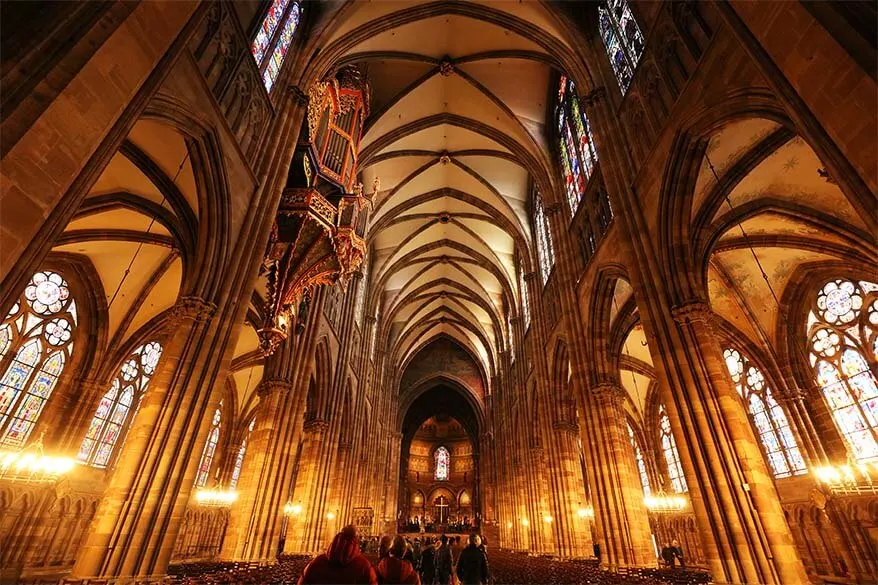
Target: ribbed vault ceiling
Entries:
(456, 130)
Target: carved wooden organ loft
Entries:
(318, 235)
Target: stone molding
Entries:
(315, 426)
(566, 426)
(609, 393)
(693, 312)
(594, 97)
(345, 446)
(299, 95)
(266, 387)
(190, 308)
(529, 276)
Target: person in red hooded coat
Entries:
(342, 563)
(394, 569)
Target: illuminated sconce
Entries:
(216, 498)
(509, 525)
(330, 516)
(33, 467)
(525, 522)
(587, 512)
(853, 478)
(662, 503)
(291, 509)
(548, 519)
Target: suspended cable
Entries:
(149, 227)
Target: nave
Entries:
(595, 280)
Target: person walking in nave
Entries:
(472, 565)
(394, 568)
(678, 551)
(427, 566)
(444, 562)
(341, 563)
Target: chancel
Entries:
(574, 291)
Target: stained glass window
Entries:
(672, 457)
(114, 413)
(641, 464)
(36, 342)
(443, 463)
(767, 415)
(622, 39)
(273, 40)
(578, 154)
(545, 249)
(843, 339)
(209, 449)
(525, 301)
(239, 460)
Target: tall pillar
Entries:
(136, 523)
(620, 514)
(745, 535)
(732, 491)
(568, 486)
(314, 432)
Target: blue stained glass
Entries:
(272, 69)
(266, 31)
(622, 39)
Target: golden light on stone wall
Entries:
(854, 478)
(33, 467)
(291, 509)
(664, 503)
(217, 498)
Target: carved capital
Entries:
(345, 446)
(486, 437)
(300, 95)
(693, 312)
(529, 276)
(316, 426)
(552, 209)
(190, 309)
(608, 393)
(594, 97)
(566, 426)
(267, 387)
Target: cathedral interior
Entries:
(587, 278)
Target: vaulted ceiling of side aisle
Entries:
(458, 107)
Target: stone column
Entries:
(136, 523)
(574, 537)
(732, 491)
(620, 514)
(314, 432)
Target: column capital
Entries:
(266, 387)
(595, 96)
(345, 446)
(566, 426)
(608, 392)
(316, 426)
(552, 209)
(300, 95)
(529, 276)
(190, 308)
(693, 311)
(486, 437)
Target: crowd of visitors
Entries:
(401, 561)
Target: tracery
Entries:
(576, 143)
(622, 40)
(113, 416)
(36, 343)
(209, 449)
(272, 42)
(672, 456)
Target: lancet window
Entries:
(273, 40)
(545, 248)
(672, 456)
(209, 449)
(239, 459)
(641, 464)
(525, 301)
(622, 40)
(443, 464)
(768, 416)
(115, 410)
(576, 144)
(843, 344)
(36, 343)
